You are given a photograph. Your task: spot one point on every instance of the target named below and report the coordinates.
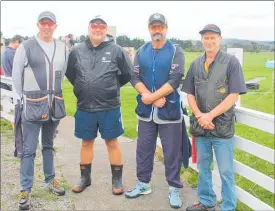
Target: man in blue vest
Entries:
(213, 84)
(159, 67)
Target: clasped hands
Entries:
(205, 121)
(147, 99)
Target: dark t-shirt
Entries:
(234, 73)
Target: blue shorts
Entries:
(108, 122)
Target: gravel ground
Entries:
(10, 183)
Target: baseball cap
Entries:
(47, 14)
(17, 37)
(98, 17)
(157, 17)
(211, 28)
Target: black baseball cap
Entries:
(157, 17)
(17, 37)
(211, 28)
(48, 15)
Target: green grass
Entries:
(261, 100)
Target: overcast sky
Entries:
(242, 20)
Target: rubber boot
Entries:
(117, 186)
(85, 180)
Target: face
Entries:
(16, 43)
(158, 31)
(211, 41)
(46, 28)
(97, 31)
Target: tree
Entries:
(137, 43)
(82, 38)
(255, 46)
(198, 45)
(123, 41)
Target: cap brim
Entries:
(46, 17)
(157, 20)
(96, 19)
(209, 30)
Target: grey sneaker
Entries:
(55, 187)
(25, 201)
(197, 206)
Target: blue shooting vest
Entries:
(154, 72)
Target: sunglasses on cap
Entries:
(96, 26)
(157, 27)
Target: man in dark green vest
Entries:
(213, 85)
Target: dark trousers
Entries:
(170, 135)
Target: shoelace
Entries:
(175, 192)
(140, 186)
(56, 184)
(24, 195)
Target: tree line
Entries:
(186, 45)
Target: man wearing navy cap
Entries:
(213, 84)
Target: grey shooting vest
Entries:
(210, 90)
(42, 91)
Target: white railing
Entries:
(255, 119)
(7, 111)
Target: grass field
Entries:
(261, 100)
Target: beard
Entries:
(157, 37)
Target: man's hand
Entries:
(147, 98)
(160, 102)
(205, 121)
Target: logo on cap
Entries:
(157, 16)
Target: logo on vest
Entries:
(44, 116)
(222, 90)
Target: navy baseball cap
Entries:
(157, 17)
(211, 28)
(48, 15)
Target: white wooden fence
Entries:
(255, 119)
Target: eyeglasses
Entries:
(96, 26)
(157, 27)
(49, 23)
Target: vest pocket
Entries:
(225, 128)
(58, 107)
(171, 110)
(143, 110)
(36, 108)
(195, 128)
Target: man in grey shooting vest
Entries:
(213, 84)
(39, 66)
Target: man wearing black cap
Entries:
(97, 68)
(8, 55)
(213, 84)
(159, 67)
(39, 66)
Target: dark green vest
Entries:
(210, 90)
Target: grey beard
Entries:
(157, 38)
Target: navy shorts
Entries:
(108, 122)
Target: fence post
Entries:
(194, 151)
